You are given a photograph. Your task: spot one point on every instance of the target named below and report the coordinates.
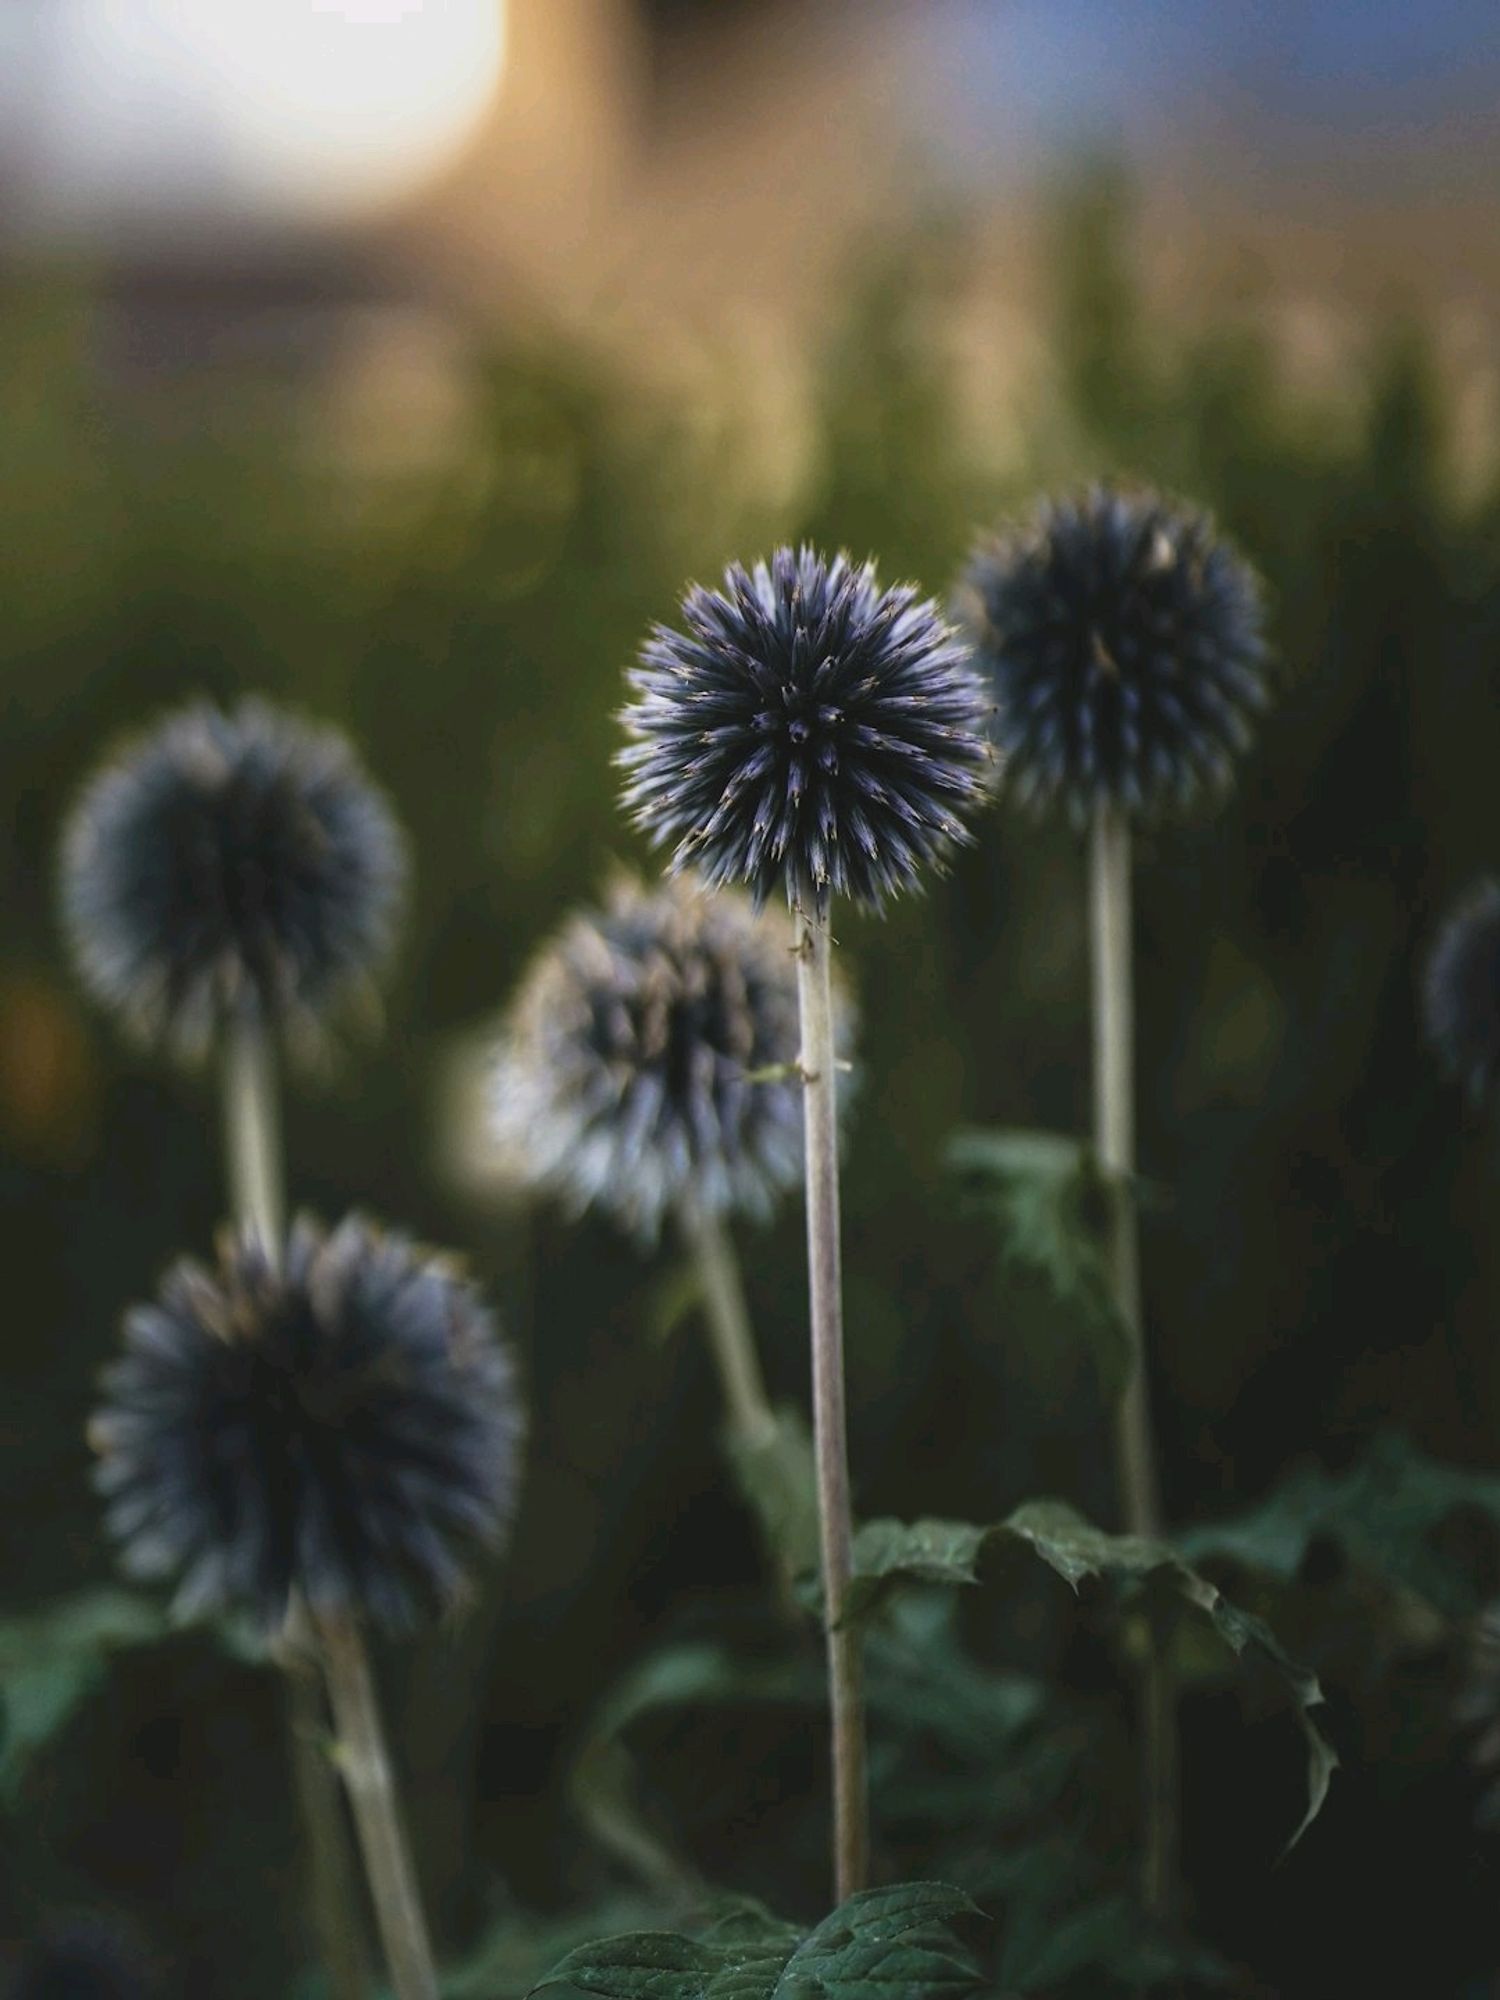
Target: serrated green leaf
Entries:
(884, 1944)
(935, 1551)
(1382, 1515)
(895, 1942)
(51, 1660)
(1049, 1199)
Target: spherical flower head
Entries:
(230, 862)
(342, 1431)
(632, 1071)
(1462, 991)
(1124, 640)
(807, 731)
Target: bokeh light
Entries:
(283, 109)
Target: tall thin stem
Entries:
(1114, 1138)
(252, 1148)
(332, 1890)
(252, 1133)
(730, 1336)
(845, 1666)
(366, 1768)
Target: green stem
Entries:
(1114, 1138)
(252, 1146)
(332, 1890)
(845, 1667)
(731, 1338)
(252, 1134)
(366, 1767)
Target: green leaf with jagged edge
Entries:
(895, 1943)
(52, 1659)
(1049, 1198)
(777, 1475)
(1384, 1516)
(933, 1551)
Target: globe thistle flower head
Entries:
(1124, 641)
(342, 1431)
(229, 862)
(806, 731)
(1462, 992)
(631, 1071)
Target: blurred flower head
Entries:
(1124, 641)
(229, 862)
(627, 1072)
(806, 731)
(1462, 991)
(344, 1431)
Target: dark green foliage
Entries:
(1049, 1199)
(1385, 1517)
(51, 1660)
(777, 1477)
(897, 1943)
(950, 1551)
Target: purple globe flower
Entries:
(632, 1074)
(345, 1430)
(806, 732)
(1123, 637)
(229, 861)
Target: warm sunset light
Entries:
(310, 108)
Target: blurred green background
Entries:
(1322, 1262)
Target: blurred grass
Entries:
(1327, 1256)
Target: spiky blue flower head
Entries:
(1124, 639)
(807, 732)
(230, 861)
(343, 1430)
(631, 1072)
(1461, 992)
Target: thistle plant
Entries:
(318, 1433)
(647, 1070)
(1123, 638)
(810, 733)
(229, 881)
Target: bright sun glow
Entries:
(309, 107)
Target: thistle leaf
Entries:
(1049, 1199)
(51, 1660)
(894, 1943)
(888, 1552)
(1384, 1516)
